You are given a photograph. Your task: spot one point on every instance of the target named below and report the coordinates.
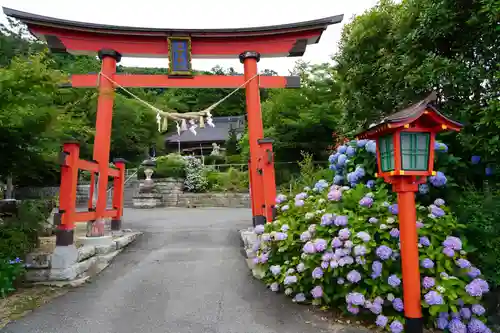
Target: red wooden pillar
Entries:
(269, 182)
(406, 188)
(255, 132)
(102, 141)
(67, 194)
(118, 188)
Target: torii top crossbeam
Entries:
(287, 40)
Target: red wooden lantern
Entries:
(405, 157)
(405, 141)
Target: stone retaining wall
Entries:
(173, 195)
(72, 266)
(82, 192)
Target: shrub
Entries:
(195, 180)
(18, 237)
(339, 246)
(231, 181)
(10, 271)
(168, 166)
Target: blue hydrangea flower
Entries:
(338, 179)
(341, 220)
(259, 229)
(475, 159)
(275, 269)
(439, 180)
(423, 188)
(397, 304)
(394, 233)
(394, 209)
(350, 151)
(366, 202)
(478, 309)
(381, 321)
(305, 236)
(371, 146)
(425, 241)
(376, 269)
(280, 198)
(301, 267)
(433, 298)
(463, 263)
(383, 252)
(370, 183)
(341, 160)
(291, 279)
(476, 326)
(317, 273)
(333, 158)
(428, 282)
(299, 298)
(394, 281)
(453, 243)
(456, 326)
(353, 276)
(396, 326)
(427, 263)
(341, 149)
(355, 298)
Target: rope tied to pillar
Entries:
(182, 118)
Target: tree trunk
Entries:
(10, 188)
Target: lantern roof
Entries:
(423, 111)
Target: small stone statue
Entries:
(215, 149)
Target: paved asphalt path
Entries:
(185, 274)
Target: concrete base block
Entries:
(148, 201)
(38, 260)
(126, 239)
(61, 284)
(96, 241)
(64, 257)
(104, 249)
(85, 252)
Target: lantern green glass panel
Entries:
(386, 148)
(415, 151)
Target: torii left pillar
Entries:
(102, 141)
(261, 175)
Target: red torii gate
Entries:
(110, 43)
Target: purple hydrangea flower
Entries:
(419, 224)
(259, 229)
(373, 220)
(477, 287)
(280, 236)
(453, 242)
(463, 263)
(439, 202)
(376, 269)
(325, 264)
(320, 245)
(317, 273)
(327, 256)
(355, 298)
(456, 326)
(397, 304)
(378, 300)
(438, 180)
(359, 250)
(427, 263)
(360, 260)
(334, 195)
(285, 207)
(352, 309)
(364, 236)
(353, 276)
(370, 183)
(396, 326)
(309, 248)
(344, 234)
(478, 309)
(381, 321)
(394, 232)
(433, 298)
(317, 292)
(275, 269)
(384, 252)
(336, 242)
(326, 219)
(305, 236)
(476, 326)
(376, 308)
(394, 281)
(366, 202)
(465, 313)
(280, 198)
(424, 241)
(442, 323)
(301, 267)
(394, 209)
(449, 252)
(473, 272)
(299, 203)
(436, 211)
(290, 279)
(301, 196)
(428, 282)
(285, 227)
(341, 220)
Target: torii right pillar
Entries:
(261, 162)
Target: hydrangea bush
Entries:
(338, 245)
(195, 180)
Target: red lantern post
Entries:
(405, 158)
